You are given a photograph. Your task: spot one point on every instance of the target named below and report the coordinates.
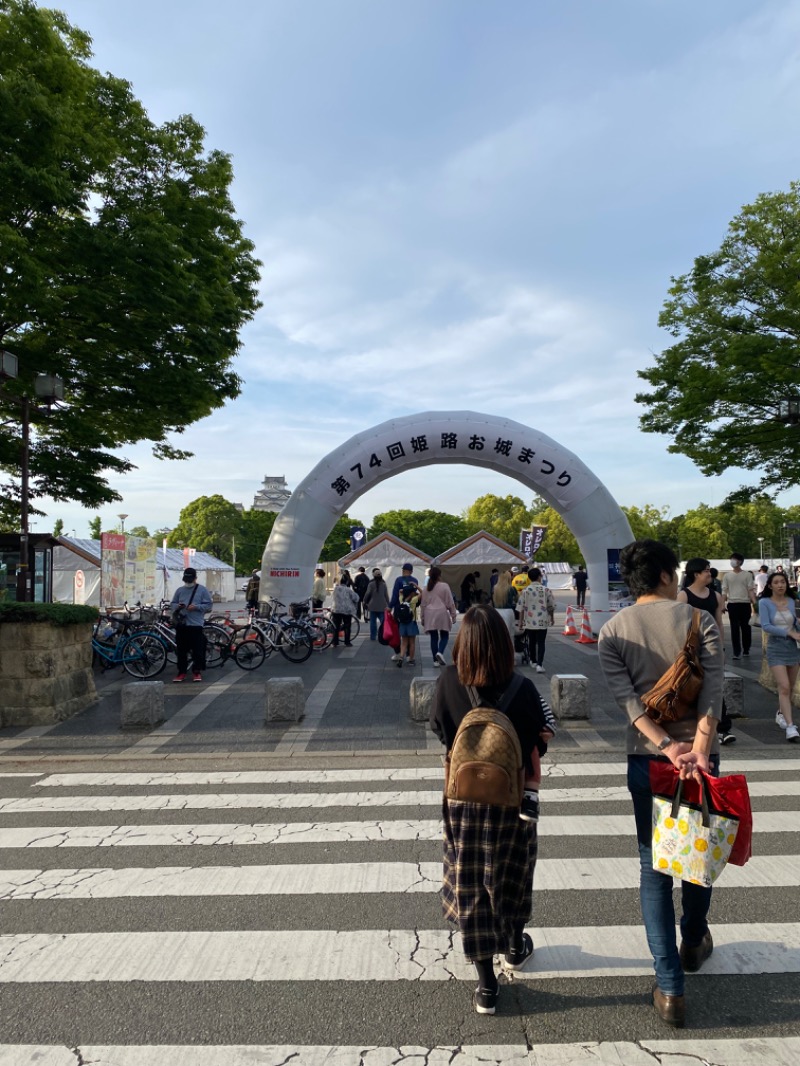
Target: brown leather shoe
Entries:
(693, 958)
(670, 1009)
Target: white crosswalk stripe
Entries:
(342, 921)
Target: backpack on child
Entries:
(405, 609)
(485, 764)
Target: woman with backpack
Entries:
(437, 613)
(489, 850)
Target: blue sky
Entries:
(462, 205)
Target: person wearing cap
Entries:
(193, 602)
(404, 592)
(520, 579)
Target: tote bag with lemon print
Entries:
(691, 842)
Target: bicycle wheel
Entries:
(144, 655)
(320, 637)
(217, 646)
(295, 644)
(355, 627)
(249, 655)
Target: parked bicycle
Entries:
(292, 640)
(141, 652)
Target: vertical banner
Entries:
(358, 536)
(79, 587)
(530, 540)
(618, 592)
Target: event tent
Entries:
(479, 553)
(389, 553)
(73, 554)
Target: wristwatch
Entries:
(665, 743)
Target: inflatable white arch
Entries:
(435, 437)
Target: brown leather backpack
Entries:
(484, 764)
(674, 696)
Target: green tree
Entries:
(718, 391)
(254, 530)
(138, 531)
(122, 266)
(701, 534)
(208, 524)
(647, 522)
(58, 527)
(502, 516)
(96, 527)
(433, 532)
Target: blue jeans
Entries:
(655, 889)
(375, 624)
(439, 639)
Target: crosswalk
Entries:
(234, 916)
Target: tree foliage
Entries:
(559, 545)
(736, 319)
(208, 524)
(122, 266)
(502, 516)
(433, 532)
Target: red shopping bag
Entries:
(391, 632)
(729, 795)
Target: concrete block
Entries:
(142, 705)
(420, 697)
(733, 693)
(285, 699)
(569, 696)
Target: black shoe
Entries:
(670, 1009)
(727, 738)
(347, 644)
(529, 808)
(485, 999)
(746, 654)
(736, 656)
(693, 958)
(399, 662)
(515, 960)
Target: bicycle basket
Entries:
(265, 610)
(298, 610)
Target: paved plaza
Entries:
(357, 702)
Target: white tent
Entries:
(481, 553)
(74, 554)
(389, 553)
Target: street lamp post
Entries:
(761, 547)
(49, 389)
(122, 518)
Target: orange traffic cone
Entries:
(586, 631)
(569, 624)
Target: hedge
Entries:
(57, 614)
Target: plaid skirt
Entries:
(489, 859)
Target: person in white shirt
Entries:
(739, 599)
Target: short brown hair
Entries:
(483, 653)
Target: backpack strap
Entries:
(505, 700)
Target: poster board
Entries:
(127, 570)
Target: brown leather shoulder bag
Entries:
(674, 696)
